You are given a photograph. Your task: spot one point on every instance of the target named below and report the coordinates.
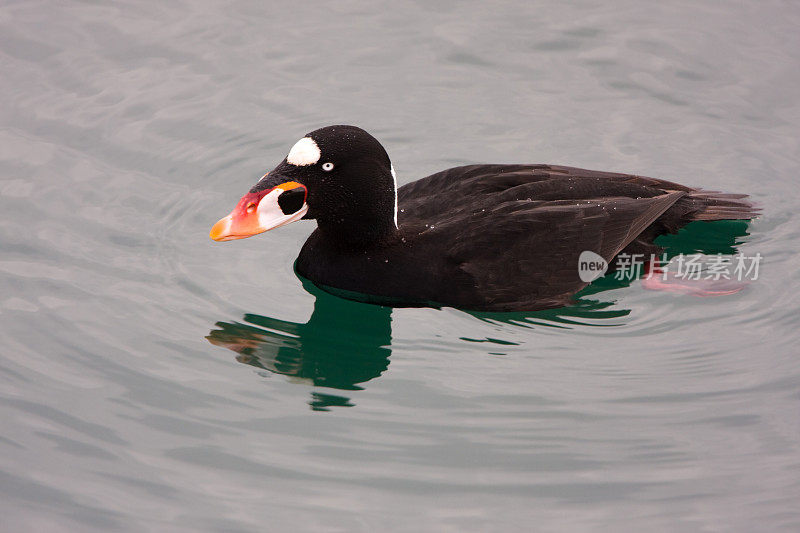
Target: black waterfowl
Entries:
(477, 237)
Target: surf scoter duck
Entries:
(476, 237)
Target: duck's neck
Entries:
(360, 233)
(363, 220)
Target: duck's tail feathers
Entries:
(714, 205)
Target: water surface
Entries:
(153, 380)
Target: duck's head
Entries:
(339, 175)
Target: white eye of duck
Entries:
(327, 167)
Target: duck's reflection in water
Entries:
(343, 345)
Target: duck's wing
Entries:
(531, 223)
(468, 187)
(524, 254)
(499, 176)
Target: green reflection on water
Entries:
(342, 345)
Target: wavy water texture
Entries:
(128, 128)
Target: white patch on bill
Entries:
(304, 152)
(394, 177)
(270, 214)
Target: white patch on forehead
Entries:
(394, 177)
(304, 152)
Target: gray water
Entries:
(128, 128)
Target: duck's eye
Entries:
(327, 167)
(251, 207)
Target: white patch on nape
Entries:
(394, 177)
(304, 152)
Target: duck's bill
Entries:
(262, 211)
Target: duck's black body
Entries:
(512, 239)
(485, 237)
